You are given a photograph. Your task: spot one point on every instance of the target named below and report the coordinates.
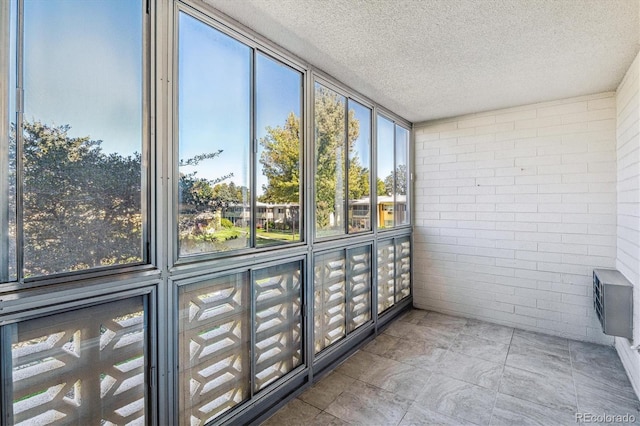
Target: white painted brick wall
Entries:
(513, 210)
(628, 205)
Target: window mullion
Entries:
(345, 201)
(6, 379)
(19, 140)
(253, 152)
(5, 114)
(253, 326)
(395, 179)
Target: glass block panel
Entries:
(214, 339)
(329, 299)
(359, 292)
(278, 322)
(85, 366)
(403, 268)
(386, 274)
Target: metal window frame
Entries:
(147, 100)
(408, 127)
(260, 50)
(196, 11)
(349, 96)
(5, 112)
(175, 337)
(344, 249)
(151, 348)
(408, 178)
(255, 395)
(372, 189)
(313, 224)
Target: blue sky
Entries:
(214, 83)
(86, 72)
(363, 142)
(402, 143)
(278, 93)
(385, 147)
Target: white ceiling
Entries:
(440, 58)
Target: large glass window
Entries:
(330, 135)
(342, 164)
(392, 182)
(385, 183)
(229, 197)
(214, 132)
(84, 210)
(8, 145)
(401, 176)
(359, 182)
(278, 120)
(77, 150)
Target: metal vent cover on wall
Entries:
(613, 302)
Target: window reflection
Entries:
(385, 182)
(330, 132)
(278, 112)
(401, 177)
(359, 169)
(343, 161)
(8, 217)
(214, 140)
(82, 135)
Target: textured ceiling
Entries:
(439, 58)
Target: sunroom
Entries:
(310, 212)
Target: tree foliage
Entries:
(200, 197)
(280, 161)
(81, 206)
(381, 187)
(400, 177)
(280, 158)
(196, 193)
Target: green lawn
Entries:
(278, 235)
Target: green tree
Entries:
(358, 179)
(280, 158)
(400, 177)
(381, 188)
(280, 161)
(81, 206)
(199, 196)
(226, 194)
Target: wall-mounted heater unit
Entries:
(613, 302)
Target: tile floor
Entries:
(430, 368)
